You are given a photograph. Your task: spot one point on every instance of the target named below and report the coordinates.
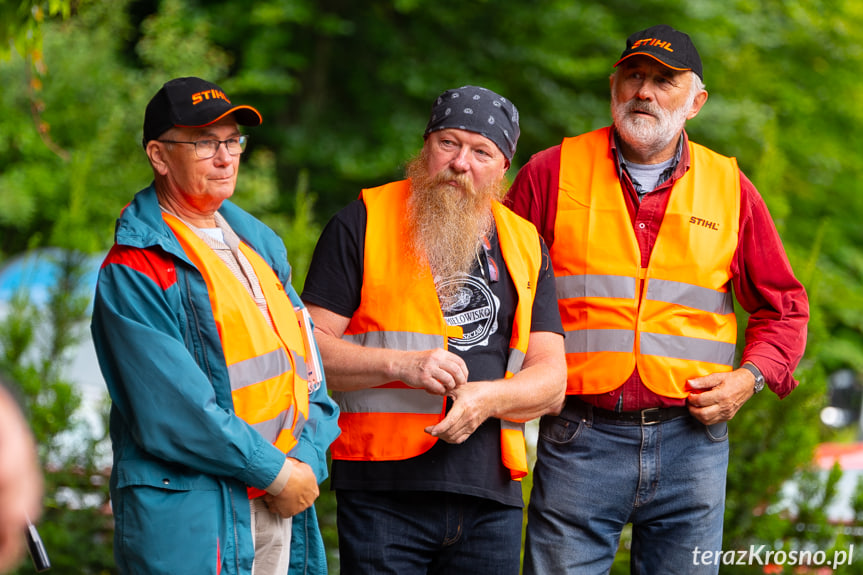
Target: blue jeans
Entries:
(593, 476)
(413, 533)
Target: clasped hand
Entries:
(444, 373)
(437, 371)
(718, 396)
(298, 495)
(470, 408)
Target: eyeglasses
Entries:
(205, 149)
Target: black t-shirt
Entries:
(485, 310)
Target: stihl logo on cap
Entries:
(208, 95)
(653, 42)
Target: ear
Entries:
(697, 103)
(158, 159)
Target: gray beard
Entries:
(648, 135)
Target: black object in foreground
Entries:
(37, 549)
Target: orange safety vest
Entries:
(671, 317)
(266, 367)
(399, 309)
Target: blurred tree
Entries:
(93, 108)
(75, 526)
(21, 23)
(68, 194)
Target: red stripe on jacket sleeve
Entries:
(155, 264)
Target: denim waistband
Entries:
(581, 409)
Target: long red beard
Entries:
(448, 224)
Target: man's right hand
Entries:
(435, 370)
(350, 367)
(298, 495)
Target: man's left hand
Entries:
(298, 495)
(717, 397)
(469, 410)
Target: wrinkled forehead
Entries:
(464, 136)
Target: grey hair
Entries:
(697, 85)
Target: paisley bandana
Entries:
(479, 110)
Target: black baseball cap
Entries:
(192, 103)
(666, 45)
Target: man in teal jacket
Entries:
(184, 459)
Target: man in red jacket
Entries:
(649, 235)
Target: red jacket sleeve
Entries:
(765, 286)
(533, 194)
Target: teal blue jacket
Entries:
(182, 458)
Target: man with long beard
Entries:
(438, 327)
(649, 233)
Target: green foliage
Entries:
(35, 342)
(176, 43)
(56, 195)
(21, 24)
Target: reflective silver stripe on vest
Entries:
(594, 340)
(511, 425)
(688, 348)
(404, 340)
(516, 360)
(271, 428)
(391, 400)
(691, 296)
(300, 366)
(595, 285)
(388, 400)
(257, 369)
(674, 346)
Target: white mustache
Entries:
(643, 106)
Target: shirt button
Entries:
(166, 481)
(641, 225)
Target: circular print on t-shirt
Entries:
(474, 308)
